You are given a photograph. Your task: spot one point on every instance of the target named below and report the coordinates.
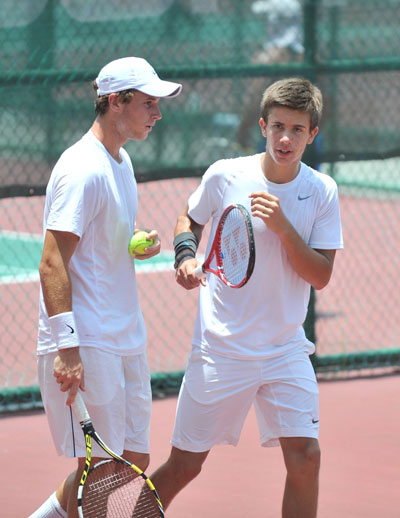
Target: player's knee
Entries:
(141, 460)
(308, 462)
(188, 472)
(304, 460)
(312, 458)
(187, 465)
(144, 462)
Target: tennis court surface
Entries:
(360, 442)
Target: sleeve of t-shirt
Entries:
(327, 229)
(76, 200)
(205, 201)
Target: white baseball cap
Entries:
(126, 73)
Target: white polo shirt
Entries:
(93, 196)
(263, 318)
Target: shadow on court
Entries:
(360, 430)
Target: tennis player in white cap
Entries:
(92, 336)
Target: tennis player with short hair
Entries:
(91, 331)
(249, 346)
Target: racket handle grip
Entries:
(199, 272)
(80, 409)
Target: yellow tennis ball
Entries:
(138, 243)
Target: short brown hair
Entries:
(101, 103)
(295, 93)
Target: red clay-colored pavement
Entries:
(360, 474)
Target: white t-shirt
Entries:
(263, 318)
(93, 196)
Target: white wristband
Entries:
(63, 329)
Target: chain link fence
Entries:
(225, 52)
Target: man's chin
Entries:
(142, 136)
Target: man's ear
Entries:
(114, 102)
(312, 136)
(263, 127)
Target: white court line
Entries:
(16, 275)
(19, 278)
(21, 236)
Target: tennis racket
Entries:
(112, 487)
(232, 255)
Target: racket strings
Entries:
(235, 247)
(114, 490)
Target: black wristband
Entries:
(182, 258)
(186, 240)
(185, 245)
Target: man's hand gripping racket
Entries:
(112, 487)
(232, 255)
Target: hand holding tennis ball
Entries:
(139, 242)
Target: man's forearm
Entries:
(186, 224)
(56, 288)
(314, 266)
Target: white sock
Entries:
(51, 508)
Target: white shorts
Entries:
(217, 393)
(118, 398)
